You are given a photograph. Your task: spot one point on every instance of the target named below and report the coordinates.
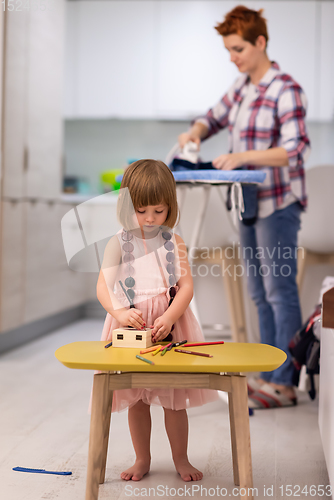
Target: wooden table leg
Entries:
(240, 436)
(106, 423)
(233, 441)
(98, 425)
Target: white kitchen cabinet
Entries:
(32, 285)
(41, 297)
(44, 87)
(74, 287)
(149, 59)
(193, 66)
(33, 85)
(14, 151)
(36, 281)
(50, 286)
(12, 264)
(111, 54)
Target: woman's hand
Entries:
(131, 317)
(186, 137)
(229, 161)
(161, 328)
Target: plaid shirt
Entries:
(274, 119)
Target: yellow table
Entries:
(122, 370)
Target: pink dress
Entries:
(152, 297)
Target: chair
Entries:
(316, 237)
(218, 244)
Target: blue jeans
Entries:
(269, 250)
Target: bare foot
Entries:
(288, 391)
(187, 471)
(139, 469)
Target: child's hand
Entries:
(161, 328)
(131, 317)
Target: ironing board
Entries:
(122, 370)
(207, 179)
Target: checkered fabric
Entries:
(275, 118)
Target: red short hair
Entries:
(247, 23)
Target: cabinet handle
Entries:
(25, 159)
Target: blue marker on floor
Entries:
(41, 471)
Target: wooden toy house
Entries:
(129, 337)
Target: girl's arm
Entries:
(162, 326)
(105, 288)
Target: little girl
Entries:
(147, 265)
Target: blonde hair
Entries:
(150, 182)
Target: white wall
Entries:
(163, 59)
(326, 60)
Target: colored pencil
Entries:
(205, 343)
(149, 349)
(176, 344)
(161, 348)
(194, 353)
(156, 351)
(144, 359)
(166, 348)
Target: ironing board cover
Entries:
(217, 176)
(220, 176)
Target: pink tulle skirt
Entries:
(186, 328)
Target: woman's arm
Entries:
(197, 132)
(213, 121)
(294, 144)
(162, 326)
(275, 157)
(291, 113)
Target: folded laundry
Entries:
(180, 164)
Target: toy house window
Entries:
(120, 336)
(139, 337)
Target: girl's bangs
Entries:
(149, 194)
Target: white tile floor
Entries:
(44, 424)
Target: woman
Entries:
(264, 111)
